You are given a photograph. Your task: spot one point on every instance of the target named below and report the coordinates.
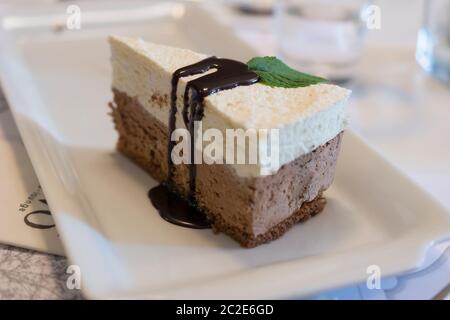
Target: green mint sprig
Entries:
(275, 73)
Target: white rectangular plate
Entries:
(58, 86)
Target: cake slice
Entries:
(253, 203)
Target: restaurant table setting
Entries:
(397, 107)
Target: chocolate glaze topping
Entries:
(229, 74)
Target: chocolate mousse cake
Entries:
(158, 89)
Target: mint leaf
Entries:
(275, 73)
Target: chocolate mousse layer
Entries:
(252, 210)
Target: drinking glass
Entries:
(433, 41)
(323, 37)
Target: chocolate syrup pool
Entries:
(176, 210)
(229, 74)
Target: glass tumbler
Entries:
(433, 41)
(323, 37)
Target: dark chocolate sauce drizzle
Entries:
(176, 210)
(229, 74)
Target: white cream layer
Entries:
(306, 117)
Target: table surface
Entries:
(26, 274)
